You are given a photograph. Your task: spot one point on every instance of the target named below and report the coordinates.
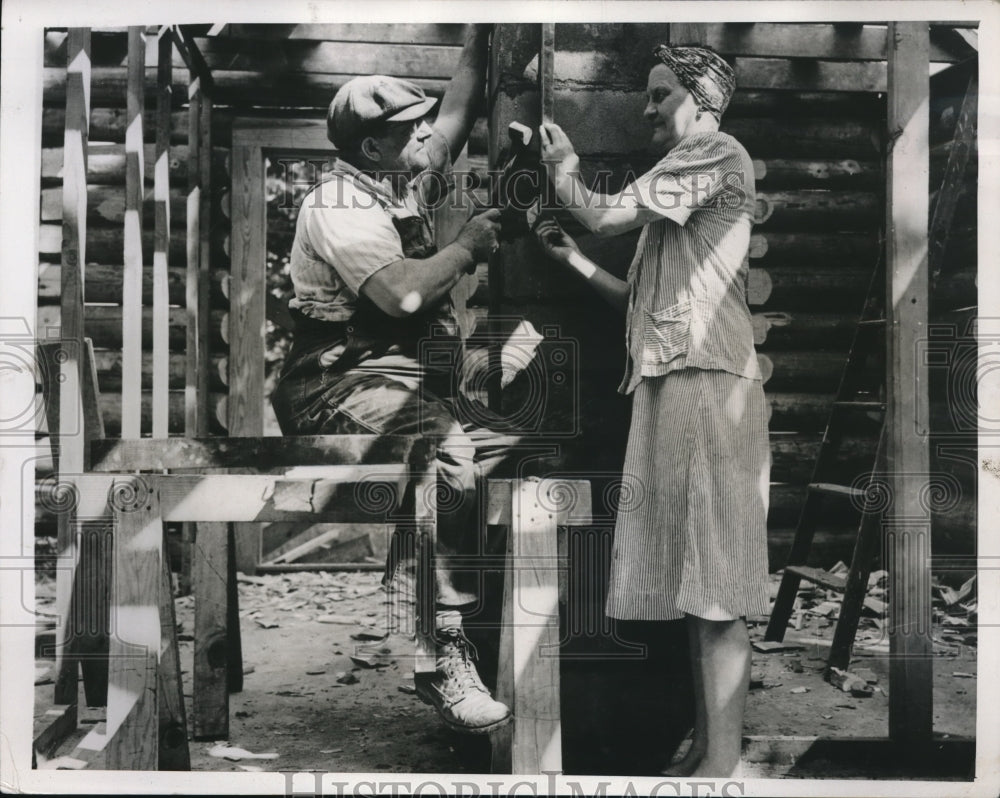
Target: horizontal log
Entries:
(818, 209)
(107, 124)
(804, 104)
(106, 245)
(443, 34)
(813, 137)
(793, 457)
(106, 205)
(798, 412)
(109, 371)
(806, 287)
(802, 371)
(104, 284)
(103, 325)
(106, 164)
(806, 41)
(773, 173)
(249, 53)
(259, 87)
(822, 331)
(814, 248)
(111, 411)
(800, 74)
(248, 452)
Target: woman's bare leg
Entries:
(693, 757)
(724, 663)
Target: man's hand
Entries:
(479, 235)
(557, 150)
(555, 242)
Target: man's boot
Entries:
(455, 689)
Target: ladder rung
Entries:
(836, 490)
(860, 405)
(818, 576)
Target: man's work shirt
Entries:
(349, 227)
(687, 283)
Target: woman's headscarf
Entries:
(702, 72)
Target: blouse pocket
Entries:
(667, 333)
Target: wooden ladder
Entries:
(850, 401)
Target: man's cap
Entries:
(367, 99)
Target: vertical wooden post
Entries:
(161, 234)
(908, 525)
(132, 278)
(546, 70)
(133, 723)
(528, 677)
(246, 317)
(211, 646)
(174, 753)
(70, 451)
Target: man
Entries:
(370, 287)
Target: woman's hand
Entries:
(554, 240)
(556, 148)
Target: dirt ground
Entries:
(324, 690)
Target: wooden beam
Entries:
(284, 451)
(795, 74)
(546, 70)
(183, 36)
(528, 678)
(132, 284)
(133, 724)
(907, 524)
(161, 205)
(65, 402)
(246, 351)
(173, 736)
(211, 694)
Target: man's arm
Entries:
(411, 284)
(461, 100)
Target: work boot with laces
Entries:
(455, 689)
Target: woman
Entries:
(696, 547)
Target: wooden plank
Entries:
(195, 413)
(172, 734)
(132, 284)
(203, 323)
(546, 70)
(246, 354)
(284, 451)
(536, 745)
(132, 725)
(953, 180)
(66, 406)
(208, 576)
(908, 541)
(234, 660)
(161, 205)
(60, 724)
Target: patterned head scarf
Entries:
(702, 72)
